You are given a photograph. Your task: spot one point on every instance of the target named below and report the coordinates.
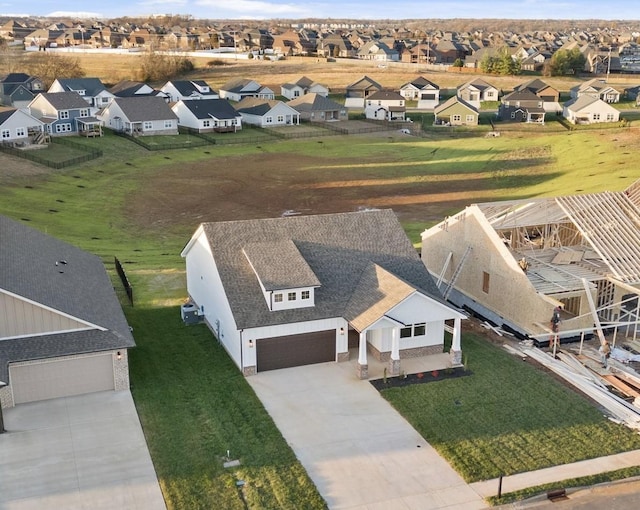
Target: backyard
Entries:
(194, 405)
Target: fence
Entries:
(36, 157)
(123, 278)
(164, 146)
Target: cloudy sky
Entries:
(354, 9)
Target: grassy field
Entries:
(508, 417)
(143, 206)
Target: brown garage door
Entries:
(296, 350)
(61, 378)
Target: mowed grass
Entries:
(193, 403)
(507, 417)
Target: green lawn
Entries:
(508, 417)
(194, 404)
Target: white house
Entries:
(267, 112)
(596, 88)
(140, 116)
(424, 91)
(477, 91)
(208, 115)
(298, 290)
(17, 126)
(184, 90)
(301, 87)
(236, 90)
(92, 91)
(589, 110)
(62, 330)
(385, 105)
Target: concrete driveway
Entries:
(84, 452)
(360, 453)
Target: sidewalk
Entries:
(557, 474)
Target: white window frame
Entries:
(280, 119)
(147, 125)
(268, 120)
(63, 114)
(596, 116)
(291, 296)
(21, 132)
(5, 134)
(168, 124)
(206, 123)
(84, 112)
(470, 118)
(63, 128)
(456, 118)
(277, 298)
(305, 294)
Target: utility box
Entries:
(190, 314)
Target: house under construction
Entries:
(513, 262)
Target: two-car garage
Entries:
(61, 377)
(295, 350)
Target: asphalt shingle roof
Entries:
(314, 102)
(64, 100)
(146, 108)
(211, 108)
(336, 247)
(91, 86)
(62, 277)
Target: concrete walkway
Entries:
(360, 453)
(557, 474)
(83, 452)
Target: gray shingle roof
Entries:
(256, 105)
(337, 249)
(91, 86)
(139, 109)
(279, 265)
(64, 100)
(57, 275)
(211, 108)
(314, 102)
(188, 88)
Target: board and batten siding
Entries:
(205, 289)
(22, 318)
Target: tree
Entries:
(48, 67)
(156, 66)
(457, 63)
(565, 62)
(501, 63)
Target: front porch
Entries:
(424, 364)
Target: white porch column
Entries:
(456, 350)
(363, 367)
(394, 360)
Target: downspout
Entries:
(241, 356)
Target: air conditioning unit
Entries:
(190, 314)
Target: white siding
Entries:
(19, 121)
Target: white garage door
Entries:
(61, 378)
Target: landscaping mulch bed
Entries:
(419, 378)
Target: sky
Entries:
(324, 9)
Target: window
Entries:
(168, 124)
(277, 298)
(419, 329)
(456, 118)
(63, 128)
(268, 120)
(21, 132)
(84, 112)
(470, 118)
(304, 294)
(147, 125)
(596, 116)
(63, 114)
(6, 134)
(291, 296)
(280, 119)
(206, 123)
(485, 282)
(405, 332)
(513, 115)
(610, 117)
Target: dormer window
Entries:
(277, 298)
(80, 92)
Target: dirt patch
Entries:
(272, 185)
(14, 170)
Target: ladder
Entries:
(456, 273)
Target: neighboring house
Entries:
(183, 90)
(92, 91)
(522, 106)
(633, 94)
(596, 88)
(455, 112)
(19, 127)
(336, 45)
(476, 91)
(301, 87)
(19, 89)
(359, 90)
(549, 95)
(64, 113)
(377, 51)
(513, 262)
(207, 115)
(589, 110)
(140, 116)
(316, 108)
(298, 290)
(62, 331)
(236, 90)
(267, 112)
(128, 88)
(385, 105)
(424, 91)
